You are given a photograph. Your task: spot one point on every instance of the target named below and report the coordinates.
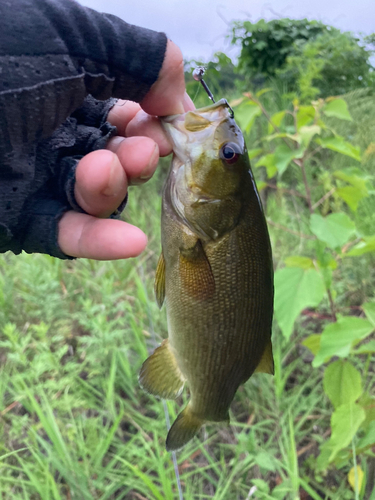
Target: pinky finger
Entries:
(82, 235)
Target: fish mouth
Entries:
(194, 128)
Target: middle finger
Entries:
(132, 121)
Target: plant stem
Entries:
(323, 198)
(332, 305)
(307, 187)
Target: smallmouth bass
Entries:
(215, 272)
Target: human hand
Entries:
(102, 177)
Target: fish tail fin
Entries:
(184, 428)
(160, 374)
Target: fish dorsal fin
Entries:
(159, 285)
(160, 374)
(184, 428)
(266, 364)
(195, 272)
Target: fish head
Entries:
(209, 146)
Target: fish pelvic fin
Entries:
(266, 364)
(160, 374)
(159, 285)
(184, 428)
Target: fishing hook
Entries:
(198, 76)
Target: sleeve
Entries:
(53, 55)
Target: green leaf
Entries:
(345, 422)
(337, 338)
(339, 145)
(298, 261)
(284, 155)
(352, 176)
(305, 115)
(295, 289)
(342, 383)
(365, 246)
(369, 438)
(351, 195)
(263, 91)
(335, 229)
(308, 132)
(337, 108)
(276, 119)
(369, 308)
(268, 161)
(254, 152)
(265, 460)
(367, 348)
(312, 342)
(246, 114)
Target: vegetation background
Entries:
(74, 422)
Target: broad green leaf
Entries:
(305, 115)
(339, 145)
(352, 176)
(356, 483)
(265, 460)
(312, 342)
(351, 195)
(263, 91)
(295, 289)
(369, 438)
(254, 152)
(335, 229)
(297, 261)
(308, 132)
(345, 422)
(284, 155)
(337, 108)
(246, 114)
(369, 308)
(342, 383)
(367, 348)
(354, 193)
(268, 161)
(276, 119)
(365, 246)
(337, 338)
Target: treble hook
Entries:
(198, 76)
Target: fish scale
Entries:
(215, 273)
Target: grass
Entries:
(75, 424)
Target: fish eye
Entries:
(230, 153)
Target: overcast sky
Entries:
(199, 26)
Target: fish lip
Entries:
(174, 127)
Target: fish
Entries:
(214, 275)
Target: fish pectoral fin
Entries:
(160, 374)
(184, 428)
(159, 285)
(266, 364)
(195, 271)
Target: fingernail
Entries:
(150, 169)
(188, 103)
(114, 184)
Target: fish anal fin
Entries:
(197, 279)
(160, 374)
(184, 428)
(266, 364)
(159, 285)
